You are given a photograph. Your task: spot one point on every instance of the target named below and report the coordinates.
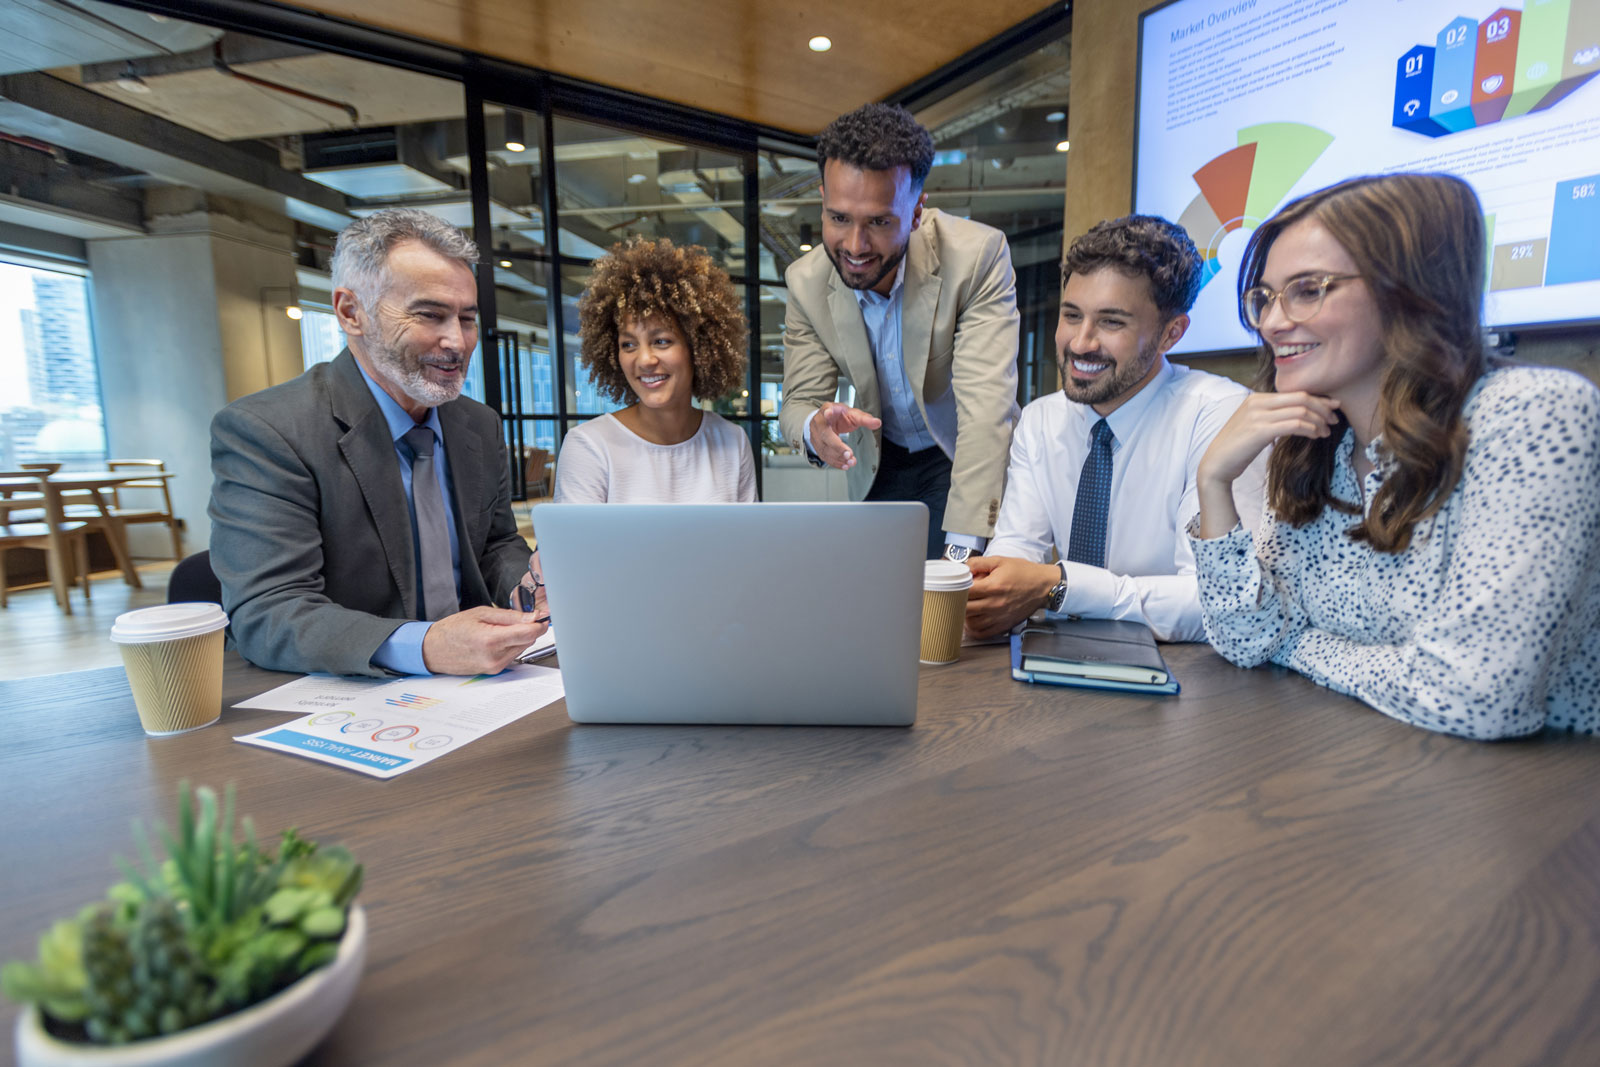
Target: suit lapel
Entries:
(369, 451)
(920, 299)
(854, 352)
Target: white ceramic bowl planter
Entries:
(273, 1033)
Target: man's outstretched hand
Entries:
(828, 427)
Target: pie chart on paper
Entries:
(1245, 185)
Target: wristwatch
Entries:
(1056, 598)
(957, 553)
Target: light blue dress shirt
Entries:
(902, 422)
(402, 652)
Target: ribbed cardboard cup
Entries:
(173, 655)
(944, 609)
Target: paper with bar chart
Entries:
(387, 727)
(1247, 104)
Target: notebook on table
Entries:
(1090, 654)
(798, 614)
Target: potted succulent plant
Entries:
(224, 953)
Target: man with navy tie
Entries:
(1102, 473)
(361, 513)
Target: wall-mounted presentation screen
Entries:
(1246, 104)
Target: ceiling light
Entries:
(819, 44)
(1055, 116)
(1063, 146)
(637, 179)
(744, 392)
(514, 132)
(294, 312)
(805, 237)
(805, 248)
(505, 264)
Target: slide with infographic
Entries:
(1245, 105)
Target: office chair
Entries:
(192, 580)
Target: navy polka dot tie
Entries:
(1087, 543)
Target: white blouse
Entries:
(1488, 625)
(602, 461)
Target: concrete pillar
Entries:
(187, 319)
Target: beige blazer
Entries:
(959, 327)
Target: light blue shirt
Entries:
(402, 652)
(902, 422)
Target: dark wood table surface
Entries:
(1254, 872)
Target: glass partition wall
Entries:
(753, 208)
(359, 121)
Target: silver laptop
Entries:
(736, 613)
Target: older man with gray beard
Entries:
(361, 513)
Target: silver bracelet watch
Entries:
(1056, 598)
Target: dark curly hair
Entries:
(1145, 246)
(639, 279)
(878, 137)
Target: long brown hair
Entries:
(1418, 244)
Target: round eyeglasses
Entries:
(1300, 299)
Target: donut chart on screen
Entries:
(1512, 63)
(1246, 184)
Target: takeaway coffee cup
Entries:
(173, 654)
(944, 609)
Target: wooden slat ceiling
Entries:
(745, 58)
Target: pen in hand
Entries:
(526, 597)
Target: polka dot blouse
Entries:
(1488, 625)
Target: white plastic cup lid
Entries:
(167, 622)
(945, 575)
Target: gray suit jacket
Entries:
(310, 530)
(959, 327)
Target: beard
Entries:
(411, 376)
(889, 264)
(1110, 383)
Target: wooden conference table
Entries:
(1255, 872)
(93, 482)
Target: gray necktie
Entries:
(433, 531)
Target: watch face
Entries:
(957, 553)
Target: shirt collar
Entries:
(400, 422)
(864, 295)
(1123, 420)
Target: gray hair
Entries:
(361, 253)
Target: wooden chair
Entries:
(536, 473)
(37, 535)
(16, 500)
(163, 513)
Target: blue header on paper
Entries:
(323, 746)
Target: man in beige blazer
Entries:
(917, 310)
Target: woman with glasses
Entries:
(1432, 538)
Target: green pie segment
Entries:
(1246, 184)
(1284, 152)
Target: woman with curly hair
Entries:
(661, 326)
(1432, 539)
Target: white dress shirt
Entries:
(1488, 624)
(602, 461)
(1161, 433)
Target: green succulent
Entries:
(215, 926)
